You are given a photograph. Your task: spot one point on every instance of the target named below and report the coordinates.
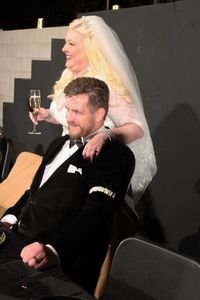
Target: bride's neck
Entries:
(82, 72)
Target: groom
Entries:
(66, 217)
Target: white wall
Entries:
(17, 49)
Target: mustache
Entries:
(72, 124)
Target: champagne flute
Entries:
(34, 103)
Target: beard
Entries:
(75, 131)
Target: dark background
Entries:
(20, 15)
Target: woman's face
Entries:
(74, 49)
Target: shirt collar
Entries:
(89, 136)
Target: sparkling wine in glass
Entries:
(34, 103)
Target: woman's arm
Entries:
(128, 132)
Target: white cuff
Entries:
(54, 251)
(11, 219)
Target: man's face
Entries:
(80, 118)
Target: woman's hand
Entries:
(42, 114)
(94, 146)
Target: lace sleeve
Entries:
(121, 112)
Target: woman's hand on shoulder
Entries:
(94, 146)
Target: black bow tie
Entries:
(77, 142)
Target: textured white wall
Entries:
(17, 49)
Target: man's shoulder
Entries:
(116, 157)
(119, 148)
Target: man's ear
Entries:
(100, 114)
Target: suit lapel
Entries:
(53, 149)
(51, 153)
(64, 166)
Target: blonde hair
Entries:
(98, 63)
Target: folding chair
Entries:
(142, 270)
(126, 224)
(19, 179)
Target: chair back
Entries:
(6, 151)
(142, 270)
(19, 179)
(126, 223)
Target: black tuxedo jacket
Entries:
(73, 210)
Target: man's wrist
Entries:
(10, 219)
(54, 251)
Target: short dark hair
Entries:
(96, 89)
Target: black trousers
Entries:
(11, 248)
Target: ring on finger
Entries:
(37, 260)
